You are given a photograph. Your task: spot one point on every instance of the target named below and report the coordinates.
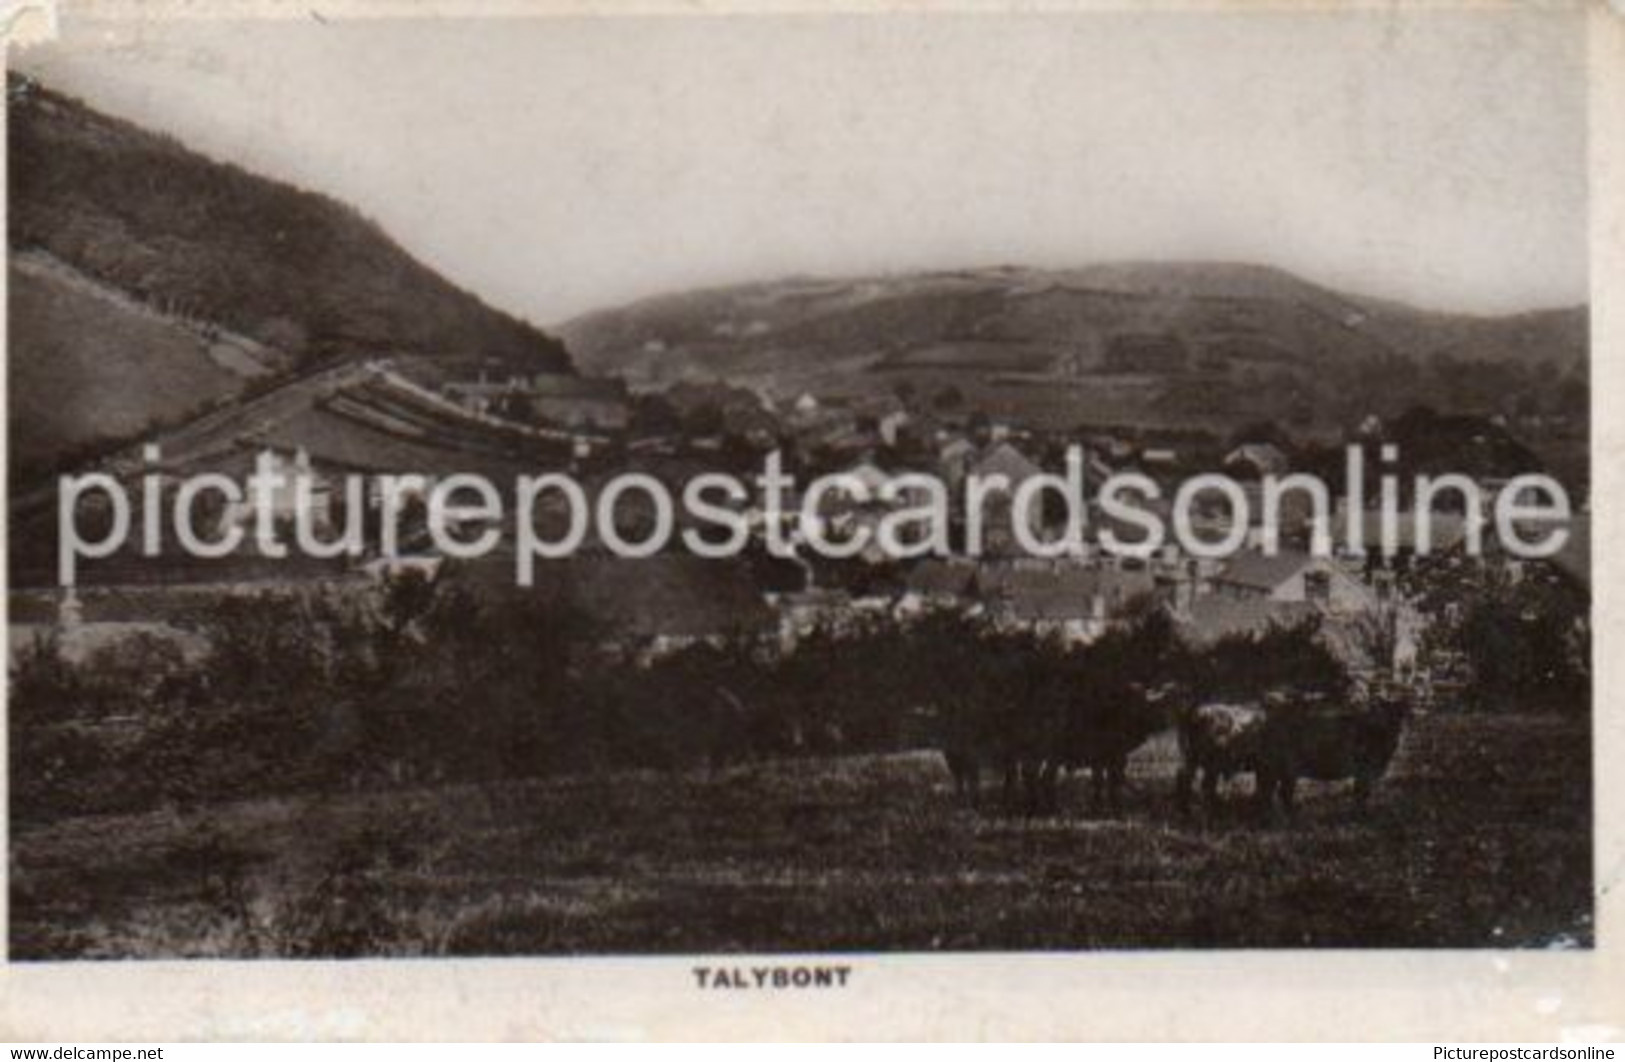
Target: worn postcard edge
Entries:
(1308, 995)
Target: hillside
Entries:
(1152, 342)
(140, 240)
(354, 415)
(82, 350)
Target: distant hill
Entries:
(1175, 343)
(144, 254)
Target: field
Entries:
(1479, 837)
(98, 368)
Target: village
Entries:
(844, 709)
(1380, 612)
(803, 487)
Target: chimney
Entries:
(1184, 597)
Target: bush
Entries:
(417, 684)
(1247, 665)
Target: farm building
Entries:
(1074, 603)
(1257, 460)
(1003, 466)
(580, 402)
(1294, 576)
(573, 402)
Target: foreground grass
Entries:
(1481, 836)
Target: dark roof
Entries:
(1213, 617)
(333, 439)
(1003, 458)
(1266, 457)
(937, 578)
(1261, 571)
(1062, 593)
(552, 385)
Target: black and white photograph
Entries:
(824, 484)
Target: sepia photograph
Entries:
(800, 486)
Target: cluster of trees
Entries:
(1346, 390)
(420, 684)
(1521, 644)
(425, 686)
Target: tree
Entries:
(517, 406)
(1262, 431)
(1527, 645)
(653, 415)
(1247, 665)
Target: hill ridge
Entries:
(1157, 342)
(137, 257)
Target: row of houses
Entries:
(1074, 599)
(572, 402)
(662, 604)
(659, 604)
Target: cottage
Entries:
(1293, 576)
(803, 613)
(574, 402)
(1074, 603)
(1257, 460)
(938, 584)
(1004, 459)
(580, 402)
(283, 500)
(481, 395)
(1002, 468)
(1209, 619)
(1409, 535)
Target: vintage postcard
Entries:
(550, 521)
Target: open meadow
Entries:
(1479, 837)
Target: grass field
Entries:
(1481, 836)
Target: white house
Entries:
(1295, 576)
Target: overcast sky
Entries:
(555, 166)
